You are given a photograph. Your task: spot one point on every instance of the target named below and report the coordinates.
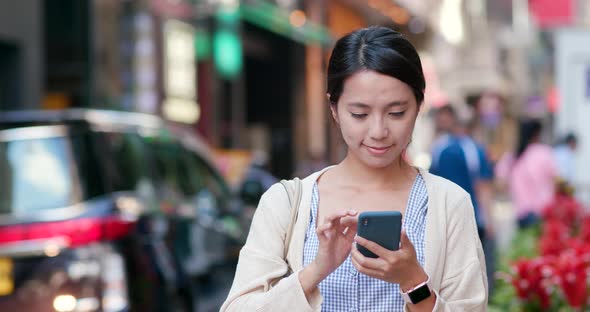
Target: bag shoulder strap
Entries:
(293, 189)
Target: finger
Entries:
(342, 221)
(405, 242)
(352, 212)
(376, 264)
(348, 226)
(351, 232)
(348, 220)
(336, 216)
(324, 227)
(324, 230)
(367, 271)
(340, 215)
(372, 246)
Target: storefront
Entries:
(21, 70)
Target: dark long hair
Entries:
(376, 48)
(529, 131)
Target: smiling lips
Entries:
(377, 150)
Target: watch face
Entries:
(419, 294)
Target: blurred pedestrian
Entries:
(565, 156)
(529, 174)
(445, 119)
(495, 127)
(457, 157)
(257, 180)
(375, 89)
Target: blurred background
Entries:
(136, 137)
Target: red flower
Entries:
(564, 208)
(555, 233)
(564, 263)
(585, 228)
(533, 280)
(572, 272)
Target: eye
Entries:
(397, 114)
(358, 116)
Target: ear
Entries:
(334, 110)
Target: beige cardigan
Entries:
(453, 255)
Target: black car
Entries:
(109, 211)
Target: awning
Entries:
(273, 18)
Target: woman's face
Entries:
(376, 114)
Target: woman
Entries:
(375, 89)
(530, 174)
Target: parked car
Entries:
(108, 211)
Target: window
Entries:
(165, 160)
(40, 167)
(126, 165)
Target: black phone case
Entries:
(381, 227)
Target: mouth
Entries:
(375, 150)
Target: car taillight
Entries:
(76, 232)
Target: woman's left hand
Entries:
(398, 266)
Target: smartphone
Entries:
(381, 227)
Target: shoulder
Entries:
(275, 192)
(559, 149)
(541, 149)
(444, 191)
(308, 181)
(274, 203)
(562, 152)
(542, 152)
(272, 216)
(441, 185)
(444, 142)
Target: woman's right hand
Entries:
(336, 236)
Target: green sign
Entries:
(227, 53)
(269, 16)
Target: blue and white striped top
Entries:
(348, 290)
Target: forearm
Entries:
(285, 295)
(310, 278)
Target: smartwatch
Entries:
(419, 293)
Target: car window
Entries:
(165, 161)
(44, 167)
(208, 179)
(128, 165)
(189, 177)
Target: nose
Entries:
(378, 129)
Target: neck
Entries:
(392, 176)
